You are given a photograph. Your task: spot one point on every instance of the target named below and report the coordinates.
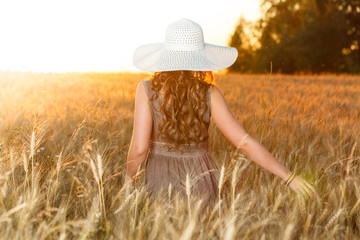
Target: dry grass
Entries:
(65, 137)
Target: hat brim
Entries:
(156, 58)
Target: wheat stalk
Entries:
(302, 207)
(255, 226)
(217, 206)
(233, 204)
(307, 225)
(74, 135)
(12, 211)
(12, 165)
(137, 196)
(277, 202)
(230, 229)
(213, 227)
(25, 162)
(233, 187)
(247, 209)
(332, 220)
(322, 217)
(58, 165)
(169, 191)
(62, 236)
(357, 204)
(32, 153)
(155, 228)
(268, 89)
(95, 173)
(32, 144)
(221, 183)
(221, 179)
(99, 165)
(57, 172)
(100, 174)
(90, 223)
(188, 231)
(188, 193)
(198, 206)
(288, 230)
(126, 201)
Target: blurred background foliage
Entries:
(300, 36)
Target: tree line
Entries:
(300, 36)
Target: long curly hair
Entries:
(183, 105)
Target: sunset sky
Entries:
(86, 35)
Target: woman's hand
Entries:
(302, 187)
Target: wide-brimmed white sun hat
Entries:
(184, 49)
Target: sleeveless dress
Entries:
(164, 167)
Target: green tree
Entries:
(351, 9)
(242, 41)
(302, 36)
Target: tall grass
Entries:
(64, 140)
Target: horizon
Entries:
(88, 36)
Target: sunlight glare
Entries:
(64, 36)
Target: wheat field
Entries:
(65, 137)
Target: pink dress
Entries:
(164, 167)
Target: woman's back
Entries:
(165, 166)
(156, 113)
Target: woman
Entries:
(172, 116)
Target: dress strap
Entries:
(147, 90)
(209, 101)
(149, 94)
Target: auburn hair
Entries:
(183, 106)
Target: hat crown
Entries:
(184, 35)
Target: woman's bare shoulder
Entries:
(215, 92)
(146, 80)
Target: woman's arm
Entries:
(235, 133)
(140, 139)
